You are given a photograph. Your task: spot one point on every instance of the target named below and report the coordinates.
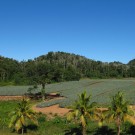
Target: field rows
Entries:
(101, 90)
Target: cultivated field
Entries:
(101, 90)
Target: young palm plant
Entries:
(120, 111)
(82, 110)
(21, 115)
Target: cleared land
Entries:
(100, 89)
(52, 110)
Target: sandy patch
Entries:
(56, 98)
(53, 94)
(52, 110)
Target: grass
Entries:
(5, 108)
(56, 126)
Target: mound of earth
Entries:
(37, 96)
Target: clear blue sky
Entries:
(97, 29)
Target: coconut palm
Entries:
(21, 115)
(82, 110)
(120, 111)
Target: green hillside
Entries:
(59, 67)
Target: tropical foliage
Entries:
(82, 110)
(120, 111)
(84, 113)
(21, 115)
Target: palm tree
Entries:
(82, 110)
(120, 111)
(21, 115)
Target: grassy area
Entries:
(59, 125)
(5, 108)
(56, 126)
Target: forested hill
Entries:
(60, 66)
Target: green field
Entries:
(100, 89)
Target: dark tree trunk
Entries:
(43, 85)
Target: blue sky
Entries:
(97, 29)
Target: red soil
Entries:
(52, 110)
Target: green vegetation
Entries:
(82, 110)
(5, 108)
(120, 111)
(101, 89)
(49, 73)
(45, 126)
(60, 66)
(21, 116)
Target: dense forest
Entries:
(60, 66)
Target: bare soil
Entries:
(6, 98)
(52, 110)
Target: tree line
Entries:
(60, 66)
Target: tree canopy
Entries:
(61, 66)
